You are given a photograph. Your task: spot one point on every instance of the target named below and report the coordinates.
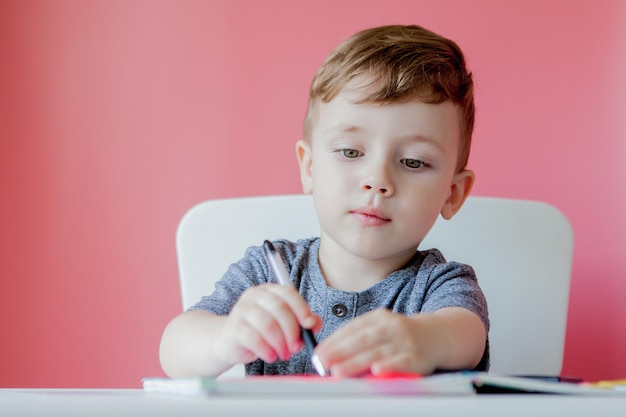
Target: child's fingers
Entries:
(401, 362)
(302, 315)
(348, 352)
(258, 343)
(242, 343)
(355, 365)
(267, 319)
(359, 334)
(293, 313)
(299, 308)
(276, 325)
(275, 312)
(351, 350)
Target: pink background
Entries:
(118, 116)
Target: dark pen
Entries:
(282, 276)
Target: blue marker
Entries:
(282, 277)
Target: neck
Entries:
(347, 271)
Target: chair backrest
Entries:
(521, 252)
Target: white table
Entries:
(134, 402)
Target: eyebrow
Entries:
(344, 128)
(424, 139)
(412, 137)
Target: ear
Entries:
(305, 160)
(459, 190)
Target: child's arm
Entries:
(383, 342)
(264, 323)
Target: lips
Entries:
(370, 216)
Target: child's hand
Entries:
(265, 323)
(379, 342)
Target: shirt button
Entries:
(339, 310)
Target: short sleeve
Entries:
(251, 270)
(453, 284)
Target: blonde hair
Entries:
(399, 64)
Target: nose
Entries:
(378, 181)
(382, 190)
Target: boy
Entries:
(386, 142)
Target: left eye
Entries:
(413, 163)
(350, 153)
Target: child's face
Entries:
(381, 174)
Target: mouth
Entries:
(370, 216)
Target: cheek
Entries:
(326, 174)
(426, 201)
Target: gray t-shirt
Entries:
(426, 284)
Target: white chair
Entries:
(521, 252)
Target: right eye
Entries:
(350, 153)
